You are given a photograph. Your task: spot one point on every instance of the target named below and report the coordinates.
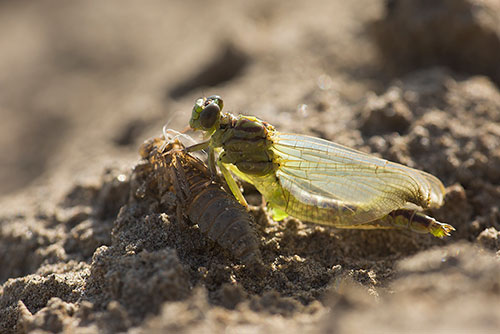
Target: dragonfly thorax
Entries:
(245, 142)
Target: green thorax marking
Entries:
(245, 142)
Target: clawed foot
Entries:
(441, 230)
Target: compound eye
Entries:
(209, 115)
(216, 99)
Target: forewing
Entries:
(310, 167)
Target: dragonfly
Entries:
(313, 179)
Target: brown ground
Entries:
(82, 84)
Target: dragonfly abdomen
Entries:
(417, 222)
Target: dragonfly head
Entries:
(206, 113)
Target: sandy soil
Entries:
(83, 84)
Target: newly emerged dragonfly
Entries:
(314, 179)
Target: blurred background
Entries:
(85, 82)
(82, 83)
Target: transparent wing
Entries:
(320, 171)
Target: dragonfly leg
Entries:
(198, 147)
(211, 162)
(211, 155)
(179, 181)
(232, 184)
